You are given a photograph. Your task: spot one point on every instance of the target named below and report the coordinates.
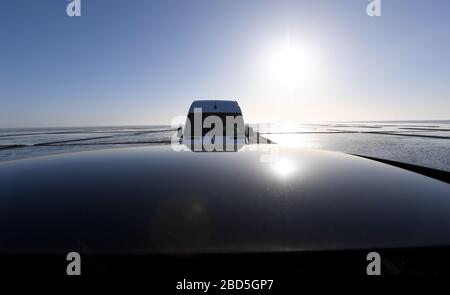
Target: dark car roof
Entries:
(155, 200)
(216, 106)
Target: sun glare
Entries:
(284, 167)
(292, 65)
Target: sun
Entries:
(292, 65)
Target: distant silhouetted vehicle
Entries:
(214, 125)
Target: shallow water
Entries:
(421, 143)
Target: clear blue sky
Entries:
(144, 61)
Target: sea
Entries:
(424, 143)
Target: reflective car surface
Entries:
(153, 200)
